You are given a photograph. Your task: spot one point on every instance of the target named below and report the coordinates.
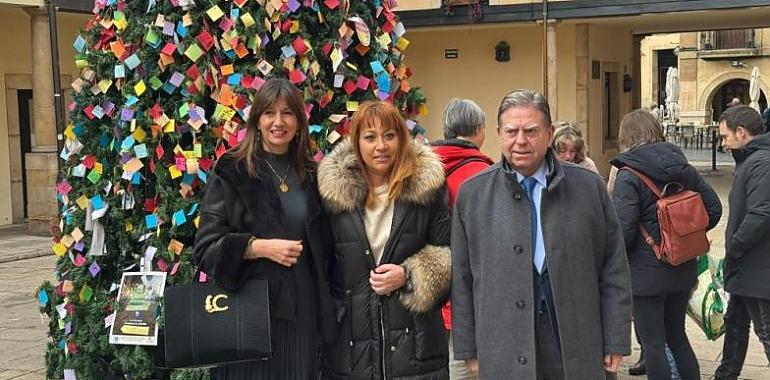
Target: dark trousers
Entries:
(659, 320)
(549, 361)
(741, 311)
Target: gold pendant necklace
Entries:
(282, 185)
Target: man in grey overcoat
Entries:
(541, 287)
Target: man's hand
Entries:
(473, 365)
(612, 362)
(387, 278)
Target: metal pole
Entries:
(713, 150)
(545, 47)
(58, 101)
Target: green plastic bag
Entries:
(708, 300)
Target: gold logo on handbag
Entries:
(212, 303)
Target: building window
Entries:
(727, 39)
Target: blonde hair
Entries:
(566, 131)
(405, 163)
(639, 127)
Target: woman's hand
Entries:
(284, 252)
(387, 278)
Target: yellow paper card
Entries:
(139, 134)
(187, 20)
(351, 106)
(69, 132)
(82, 202)
(247, 20)
(98, 168)
(294, 27)
(174, 172)
(129, 226)
(215, 13)
(105, 85)
(196, 221)
(140, 88)
(121, 24)
(402, 43)
(59, 249)
(384, 40)
(169, 127)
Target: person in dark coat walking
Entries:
(464, 124)
(747, 244)
(661, 291)
(391, 271)
(261, 217)
(531, 298)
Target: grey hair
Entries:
(462, 118)
(525, 98)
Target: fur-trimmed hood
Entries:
(343, 188)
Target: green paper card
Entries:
(193, 52)
(85, 293)
(155, 83)
(152, 37)
(94, 176)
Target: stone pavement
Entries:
(16, 244)
(23, 330)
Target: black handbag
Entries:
(208, 326)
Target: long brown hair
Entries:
(639, 127)
(566, 131)
(405, 163)
(250, 151)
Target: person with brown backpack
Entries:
(665, 208)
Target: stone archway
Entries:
(707, 95)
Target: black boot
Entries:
(638, 369)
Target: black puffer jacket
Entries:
(747, 237)
(635, 203)
(400, 336)
(235, 208)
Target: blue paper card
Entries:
(97, 202)
(376, 66)
(151, 220)
(133, 61)
(234, 79)
(79, 44)
(179, 218)
(42, 297)
(140, 151)
(120, 71)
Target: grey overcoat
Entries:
(492, 284)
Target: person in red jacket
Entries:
(464, 123)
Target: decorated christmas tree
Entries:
(164, 90)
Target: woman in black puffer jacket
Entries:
(391, 267)
(661, 291)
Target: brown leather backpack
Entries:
(683, 222)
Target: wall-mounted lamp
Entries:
(737, 63)
(502, 52)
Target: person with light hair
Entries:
(569, 146)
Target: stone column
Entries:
(41, 164)
(552, 92)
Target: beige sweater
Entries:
(378, 222)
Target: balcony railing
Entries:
(727, 39)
